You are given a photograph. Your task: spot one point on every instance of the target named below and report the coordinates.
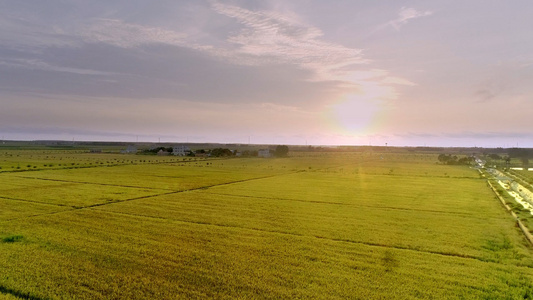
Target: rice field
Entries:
(322, 225)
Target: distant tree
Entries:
(217, 152)
(445, 158)
(520, 152)
(449, 159)
(281, 151)
(523, 154)
(465, 160)
(154, 151)
(249, 153)
(495, 156)
(525, 162)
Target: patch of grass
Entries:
(505, 244)
(12, 238)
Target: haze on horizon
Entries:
(405, 73)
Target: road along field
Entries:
(314, 225)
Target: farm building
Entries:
(181, 150)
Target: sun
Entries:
(355, 114)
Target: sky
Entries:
(307, 72)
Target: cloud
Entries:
(270, 36)
(122, 34)
(264, 39)
(485, 95)
(30, 35)
(492, 88)
(407, 14)
(36, 64)
(259, 56)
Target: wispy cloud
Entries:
(36, 64)
(126, 35)
(266, 38)
(30, 36)
(407, 14)
(274, 37)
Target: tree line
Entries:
(449, 159)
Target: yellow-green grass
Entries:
(77, 255)
(386, 226)
(527, 176)
(11, 210)
(173, 177)
(314, 225)
(26, 160)
(66, 193)
(398, 191)
(8, 296)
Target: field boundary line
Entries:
(38, 215)
(460, 214)
(274, 198)
(126, 200)
(161, 189)
(19, 295)
(33, 201)
(181, 191)
(94, 183)
(172, 192)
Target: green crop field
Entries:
(314, 225)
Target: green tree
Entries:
(217, 152)
(281, 151)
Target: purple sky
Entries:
(435, 73)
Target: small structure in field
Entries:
(264, 153)
(130, 149)
(161, 152)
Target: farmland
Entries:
(324, 225)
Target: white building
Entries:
(264, 153)
(130, 149)
(181, 150)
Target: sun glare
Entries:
(355, 114)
